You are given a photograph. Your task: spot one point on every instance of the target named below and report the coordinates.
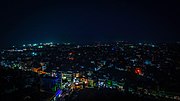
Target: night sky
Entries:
(35, 21)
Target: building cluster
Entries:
(139, 68)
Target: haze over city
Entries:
(31, 21)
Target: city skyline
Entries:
(70, 72)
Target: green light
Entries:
(34, 54)
(109, 82)
(54, 89)
(40, 46)
(34, 44)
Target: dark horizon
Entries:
(38, 21)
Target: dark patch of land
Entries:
(105, 94)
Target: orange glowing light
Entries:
(71, 58)
(70, 53)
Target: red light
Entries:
(138, 71)
(71, 53)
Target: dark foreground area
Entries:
(108, 95)
(87, 94)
